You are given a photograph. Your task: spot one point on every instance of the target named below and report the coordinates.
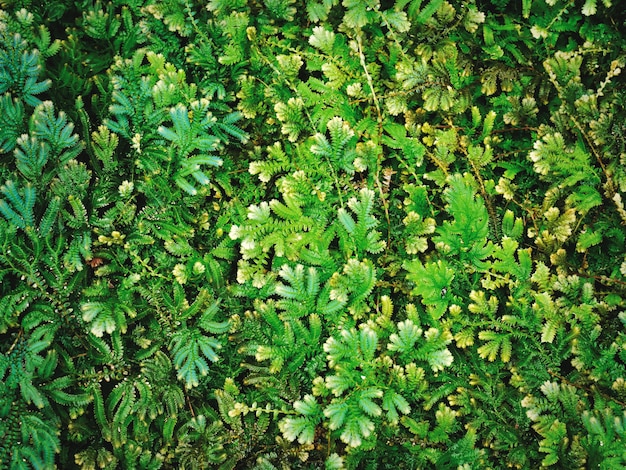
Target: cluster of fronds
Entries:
(323, 234)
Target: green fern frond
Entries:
(266, 170)
(299, 296)
(21, 214)
(101, 24)
(208, 324)
(70, 399)
(104, 143)
(45, 443)
(190, 350)
(11, 122)
(432, 282)
(49, 217)
(465, 236)
(78, 217)
(340, 150)
(404, 340)
(495, 342)
(291, 210)
(21, 69)
(122, 106)
(354, 285)
(361, 233)
(57, 131)
(101, 316)
(13, 305)
(120, 405)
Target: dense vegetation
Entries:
(275, 234)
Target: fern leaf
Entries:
(70, 399)
(49, 217)
(121, 404)
(495, 342)
(190, 349)
(369, 407)
(24, 205)
(361, 233)
(303, 427)
(347, 221)
(336, 413)
(549, 330)
(214, 326)
(290, 211)
(431, 283)
(11, 122)
(355, 429)
(101, 317)
(428, 10)
(44, 439)
(78, 218)
(368, 342)
(300, 428)
(56, 130)
(405, 339)
(31, 156)
(440, 359)
(11, 216)
(183, 184)
(30, 394)
(392, 402)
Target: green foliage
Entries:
(360, 232)
(19, 69)
(464, 237)
(324, 234)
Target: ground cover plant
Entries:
(275, 234)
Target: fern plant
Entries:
(320, 234)
(42, 267)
